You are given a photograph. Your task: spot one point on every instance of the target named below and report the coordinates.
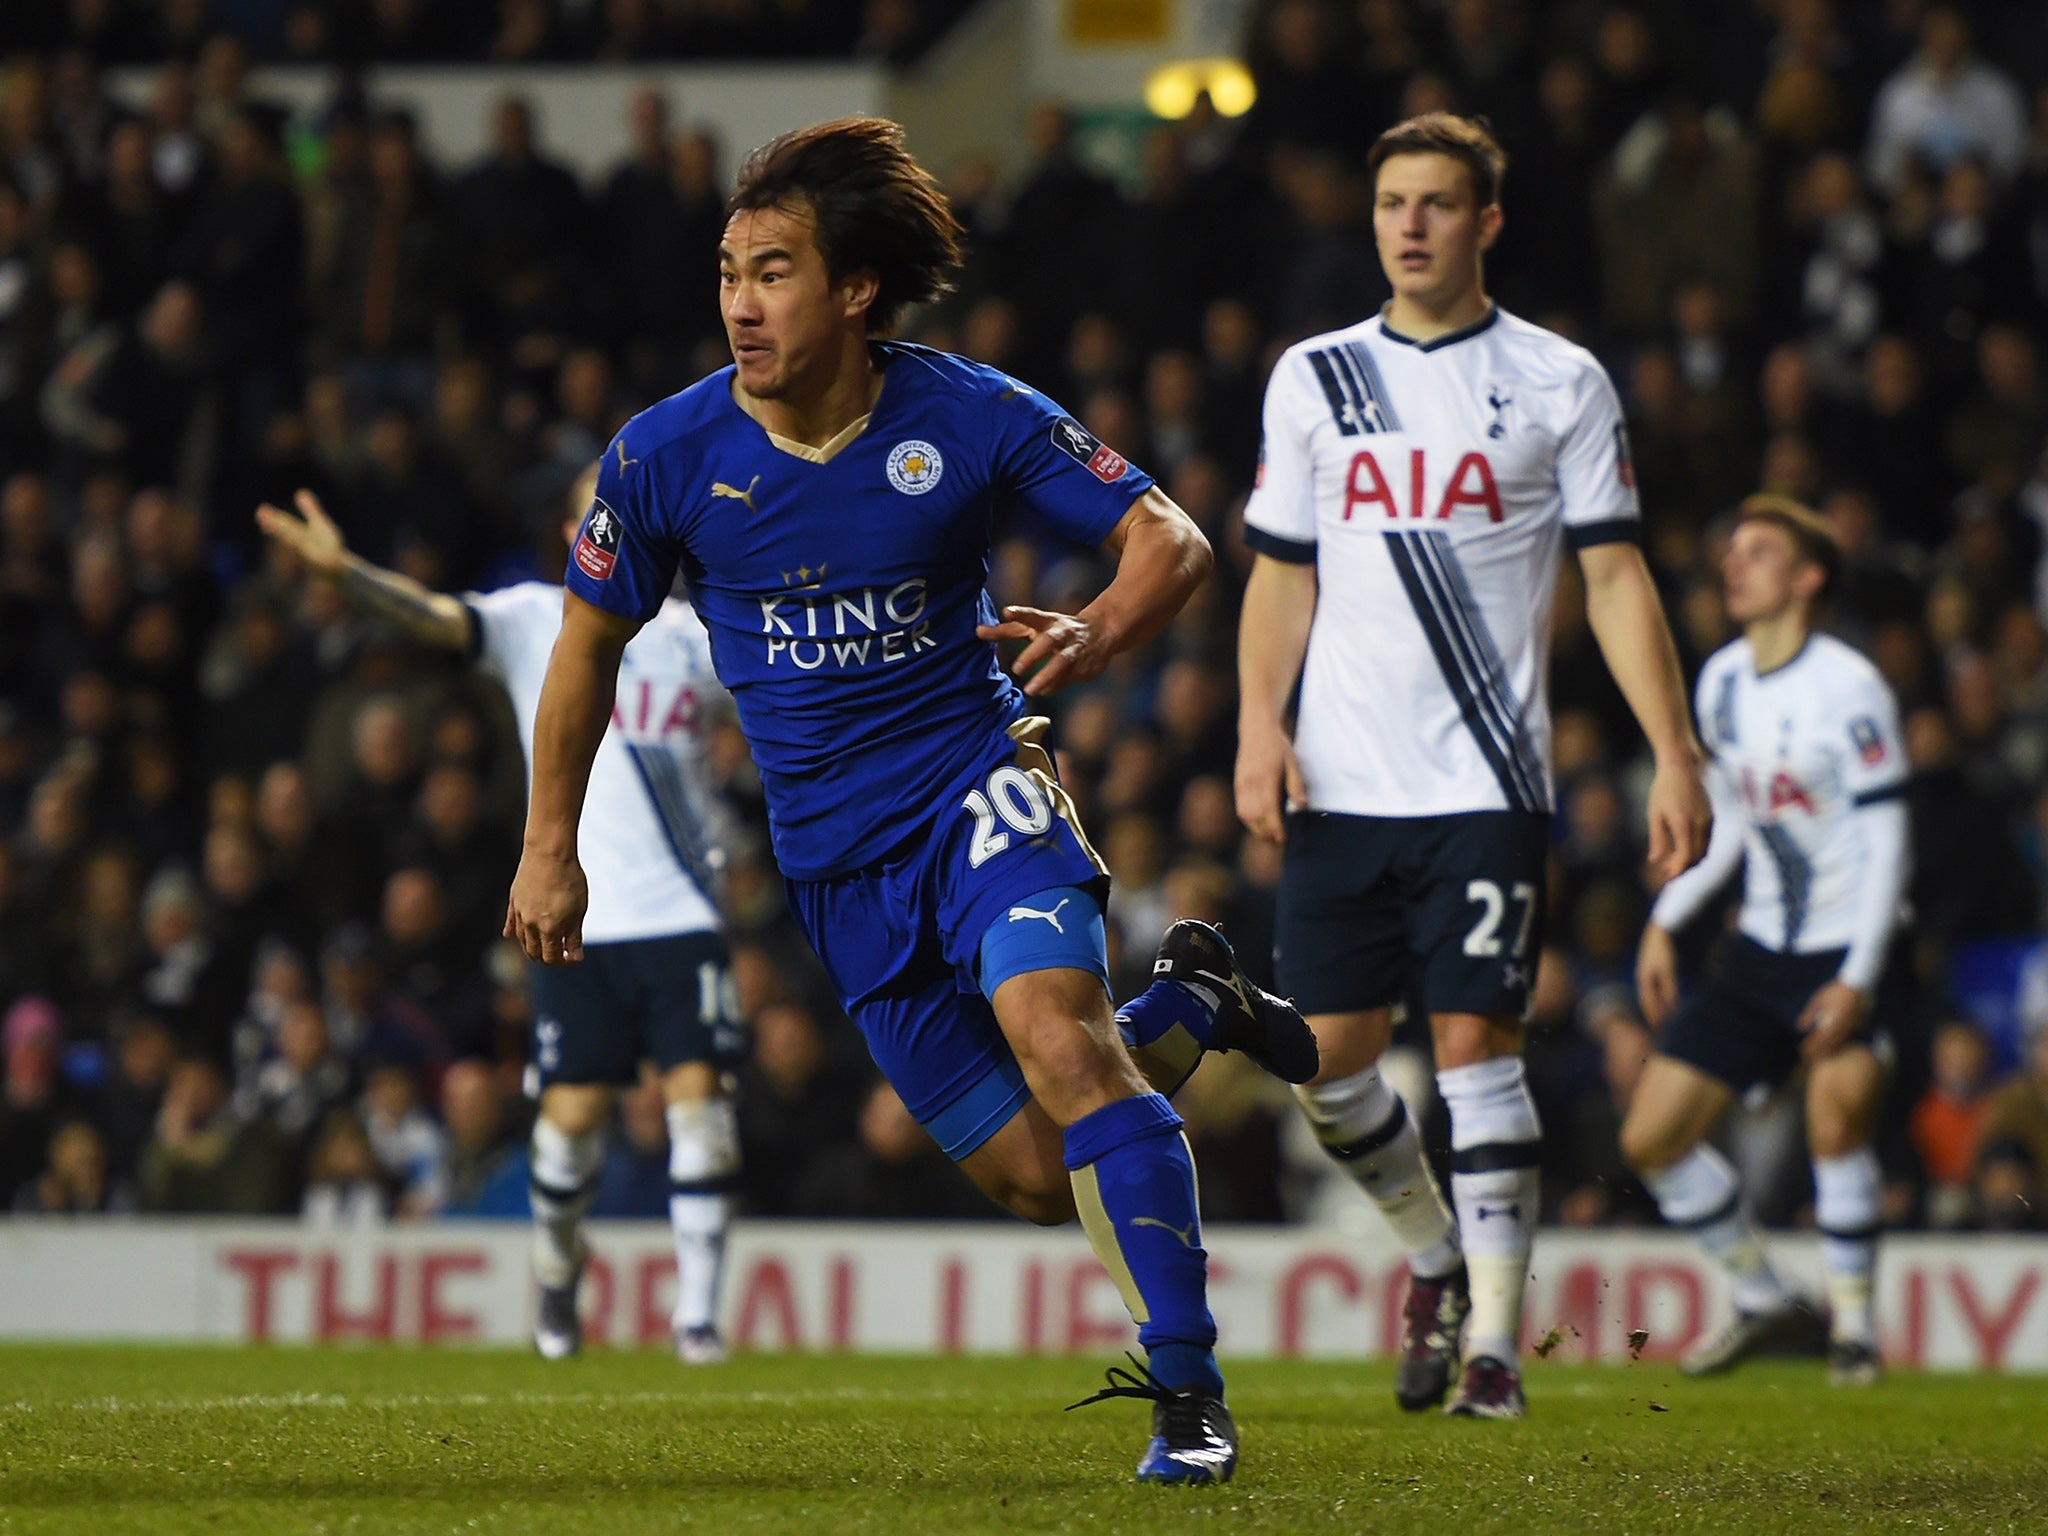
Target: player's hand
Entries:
(545, 910)
(1681, 817)
(1830, 1019)
(1268, 783)
(1063, 649)
(1656, 975)
(312, 535)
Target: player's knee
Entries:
(1832, 1137)
(1347, 1044)
(576, 1110)
(1071, 1071)
(1647, 1146)
(1840, 1096)
(1833, 1128)
(1467, 1039)
(691, 1082)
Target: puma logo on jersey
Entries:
(1186, 1234)
(1018, 914)
(619, 447)
(719, 489)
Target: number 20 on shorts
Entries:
(1016, 799)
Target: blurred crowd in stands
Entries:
(352, 32)
(254, 848)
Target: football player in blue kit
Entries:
(830, 500)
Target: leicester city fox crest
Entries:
(914, 467)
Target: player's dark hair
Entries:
(1809, 533)
(876, 209)
(1468, 140)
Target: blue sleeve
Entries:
(624, 558)
(1048, 462)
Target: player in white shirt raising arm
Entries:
(1807, 780)
(654, 982)
(1420, 475)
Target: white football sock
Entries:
(703, 1161)
(1848, 1209)
(564, 1177)
(1369, 1133)
(1496, 1183)
(1701, 1193)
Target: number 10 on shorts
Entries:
(1484, 939)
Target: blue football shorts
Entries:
(918, 941)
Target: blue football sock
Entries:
(1161, 1007)
(1166, 1028)
(1134, 1184)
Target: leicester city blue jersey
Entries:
(842, 590)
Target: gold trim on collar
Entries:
(826, 454)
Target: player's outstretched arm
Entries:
(433, 618)
(549, 894)
(1272, 640)
(1628, 621)
(1161, 558)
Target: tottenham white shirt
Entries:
(647, 839)
(1801, 752)
(1433, 485)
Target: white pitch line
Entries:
(287, 1400)
(1648, 1375)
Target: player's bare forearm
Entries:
(1627, 619)
(1272, 639)
(1161, 558)
(432, 618)
(575, 707)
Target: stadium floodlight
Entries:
(1171, 89)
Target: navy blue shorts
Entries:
(901, 940)
(1447, 911)
(668, 1000)
(1741, 1024)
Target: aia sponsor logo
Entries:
(1471, 484)
(1780, 792)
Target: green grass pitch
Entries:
(165, 1441)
